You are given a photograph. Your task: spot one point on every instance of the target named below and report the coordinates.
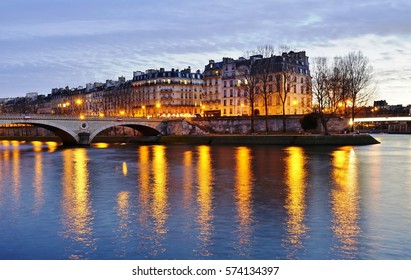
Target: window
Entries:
(225, 93)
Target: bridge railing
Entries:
(29, 117)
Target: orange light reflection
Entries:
(345, 200)
(76, 206)
(295, 201)
(204, 199)
(243, 198)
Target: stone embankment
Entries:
(279, 139)
(242, 125)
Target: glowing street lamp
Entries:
(158, 106)
(295, 103)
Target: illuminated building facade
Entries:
(161, 93)
(288, 80)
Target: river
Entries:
(113, 201)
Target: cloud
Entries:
(61, 42)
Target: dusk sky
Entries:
(47, 44)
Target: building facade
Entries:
(174, 93)
(282, 80)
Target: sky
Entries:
(47, 44)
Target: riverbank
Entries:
(278, 139)
(218, 139)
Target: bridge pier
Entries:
(84, 138)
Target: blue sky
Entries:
(56, 43)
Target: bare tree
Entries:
(265, 71)
(249, 82)
(327, 88)
(265, 76)
(359, 79)
(347, 81)
(285, 81)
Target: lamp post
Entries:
(158, 106)
(295, 103)
(79, 102)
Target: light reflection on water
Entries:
(207, 202)
(77, 213)
(159, 198)
(244, 187)
(295, 201)
(345, 201)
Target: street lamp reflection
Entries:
(295, 201)
(243, 197)
(77, 212)
(204, 198)
(345, 198)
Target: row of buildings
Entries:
(222, 89)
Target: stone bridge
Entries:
(76, 131)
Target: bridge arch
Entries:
(66, 136)
(144, 129)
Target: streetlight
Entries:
(79, 102)
(295, 103)
(144, 109)
(158, 105)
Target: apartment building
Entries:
(282, 80)
(161, 93)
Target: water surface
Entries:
(205, 202)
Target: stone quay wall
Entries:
(242, 125)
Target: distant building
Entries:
(164, 93)
(32, 95)
(381, 104)
(224, 96)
